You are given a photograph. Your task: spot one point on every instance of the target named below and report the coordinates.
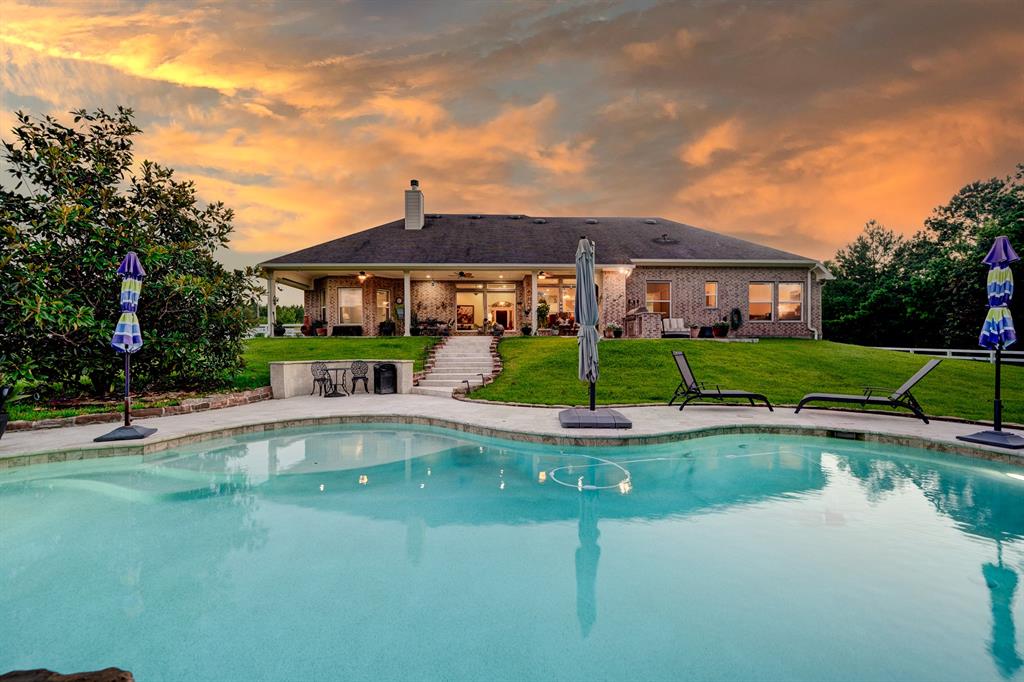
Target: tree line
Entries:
(926, 290)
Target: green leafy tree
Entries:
(77, 205)
(929, 290)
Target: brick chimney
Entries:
(413, 206)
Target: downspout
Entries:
(810, 301)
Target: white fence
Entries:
(1013, 357)
(263, 330)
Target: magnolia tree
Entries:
(73, 204)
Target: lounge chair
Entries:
(901, 397)
(690, 389)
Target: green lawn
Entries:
(542, 370)
(260, 352)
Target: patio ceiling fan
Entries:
(463, 275)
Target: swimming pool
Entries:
(385, 551)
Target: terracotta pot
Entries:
(720, 333)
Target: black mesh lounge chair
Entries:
(901, 397)
(359, 370)
(690, 389)
(321, 379)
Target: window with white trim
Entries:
(350, 305)
(659, 298)
(759, 301)
(790, 305)
(383, 305)
(710, 294)
(323, 304)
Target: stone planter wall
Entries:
(211, 402)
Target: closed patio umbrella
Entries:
(997, 334)
(127, 339)
(589, 370)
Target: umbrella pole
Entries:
(593, 396)
(127, 384)
(998, 416)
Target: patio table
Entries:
(338, 389)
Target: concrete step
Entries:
(457, 376)
(449, 383)
(438, 392)
(462, 369)
(468, 362)
(461, 355)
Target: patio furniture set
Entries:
(690, 389)
(330, 382)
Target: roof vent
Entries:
(436, 215)
(539, 221)
(591, 221)
(665, 239)
(651, 221)
(515, 217)
(475, 216)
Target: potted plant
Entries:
(617, 331)
(497, 329)
(694, 331)
(542, 314)
(278, 329)
(320, 327)
(720, 329)
(307, 327)
(526, 330)
(387, 328)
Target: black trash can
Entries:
(385, 378)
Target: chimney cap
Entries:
(414, 183)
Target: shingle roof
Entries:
(470, 239)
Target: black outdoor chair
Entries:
(690, 389)
(359, 370)
(321, 379)
(901, 397)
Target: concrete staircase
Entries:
(460, 359)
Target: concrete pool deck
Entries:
(650, 424)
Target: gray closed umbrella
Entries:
(586, 316)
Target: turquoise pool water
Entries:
(387, 552)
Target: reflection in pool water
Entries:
(385, 552)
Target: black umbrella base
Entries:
(132, 432)
(581, 418)
(999, 439)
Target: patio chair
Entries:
(359, 370)
(321, 379)
(901, 397)
(690, 389)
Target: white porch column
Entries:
(533, 302)
(407, 299)
(271, 307)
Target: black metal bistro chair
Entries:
(359, 370)
(321, 379)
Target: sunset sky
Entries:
(787, 123)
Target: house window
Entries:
(350, 305)
(759, 295)
(791, 298)
(383, 305)
(710, 294)
(659, 298)
(323, 304)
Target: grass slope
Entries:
(260, 352)
(542, 370)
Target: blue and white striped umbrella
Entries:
(998, 329)
(128, 335)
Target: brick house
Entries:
(469, 271)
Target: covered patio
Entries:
(461, 299)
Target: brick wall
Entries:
(432, 299)
(613, 297)
(687, 284)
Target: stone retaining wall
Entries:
(211, 402)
